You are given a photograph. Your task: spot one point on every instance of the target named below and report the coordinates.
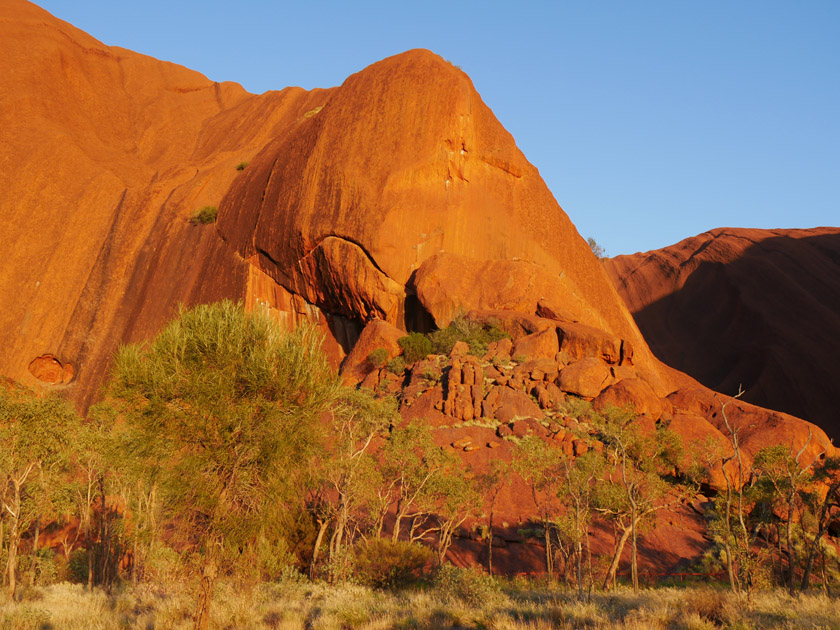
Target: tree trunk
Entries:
(608, 580)
(33, 569)
(634, 564)
(490, 544)
(89, 544)
(790, 549)
(11, 565)
(809, 563)
(134, 560)
(815, 544)
(549, 561)
(395, 536)
(322, 529)
(579, 552)
(205, 595)
(14, 542)
(3, 545)
(734, 585)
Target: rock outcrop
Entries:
(757, 308)
(393, 202)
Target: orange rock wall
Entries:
(758, 308)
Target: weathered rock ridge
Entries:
(758, 308)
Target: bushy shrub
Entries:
(205, 215)
(415, 346)
(396, 366)
(273, 558)
(77, 567)
(382, 563)
(477, 335)
(472, 586)
(241, 166)
(377, 358)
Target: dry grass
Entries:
(296, 606)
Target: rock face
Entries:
(758, 308)
(104, 156)
(391, 203)
(396, 196)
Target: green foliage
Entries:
(77, 567)
(37, 435)
(396, 366)
(384, 563)
(477, 335)
(205, 215)
(596, 249)
(377, 357)
(242, 166)
(221, 410)
(272, 558)
(472, 586)
(415, 347)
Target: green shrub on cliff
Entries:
(477, 335)
(205, 215)
(415, 347)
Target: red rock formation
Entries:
(758, 308)
(397, 197)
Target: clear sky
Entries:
(649, 121)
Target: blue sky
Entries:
(649, 121)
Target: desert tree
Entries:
(220, 411)
(744, 510)
(453, 497)
(346, 472)
(410, 463)
(490, 484)
(36, 437)
(577, 490)
(638, 479)
(786, 477)
(824, 501)
(543, 467)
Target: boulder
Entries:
(48, 369)
(377, 334)
(459, 349)
(634, 392)
(757, 427)
(703, 443)
(585, 377)
(528, 426)
(580, 340)
(539, 345)
(515, 405)
(499, 350)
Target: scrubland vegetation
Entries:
(503, 605)
(228, 479)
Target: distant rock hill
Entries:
(391, 203)
(758, 308)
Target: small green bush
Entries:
(415, 346)
(377, 358)
(396, 366)
(472, 586)
(382, 563)
(477, 335)
(241, 166)
(77, 567)
(205, 215)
